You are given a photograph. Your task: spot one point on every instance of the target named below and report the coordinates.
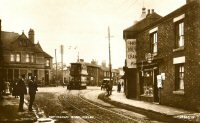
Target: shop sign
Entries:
(131, 53)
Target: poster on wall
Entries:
(131, 53)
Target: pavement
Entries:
(9, 111)
(166, 113)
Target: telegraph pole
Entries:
(56, 66)
(62, 51)
(110, 65)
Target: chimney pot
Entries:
(152, 10)
(148, 11)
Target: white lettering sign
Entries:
(131, 53)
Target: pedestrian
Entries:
(32, 85)
(7, 87)
(21, 90)
(14, 90)
(119, 87)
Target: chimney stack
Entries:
(152, 11)
(31, 35)
(148, 11)
(143, 15)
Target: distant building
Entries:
(95, 73)
(166, 67)
(20, 55)
(106, 73)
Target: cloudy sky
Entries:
(79, 23)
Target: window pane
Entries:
(47, 63)
(154, 42)
(182, 68)
(17, 57)
(32, 58)
(179, 76)
(181, 84)
(27, 58)
(12, 57)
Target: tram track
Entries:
(82, 114)
(98, 113)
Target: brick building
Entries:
(95, 73)
(167, 64)
(20, 55)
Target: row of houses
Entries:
(96, 73)
(163, 57)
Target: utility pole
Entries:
(56, 66)
(110, 65)
(62, 51)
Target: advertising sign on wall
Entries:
(131, 53)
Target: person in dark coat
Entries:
(32, 85)
(14, 90)
(119, 87)
(21, 90)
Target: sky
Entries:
(81, 26)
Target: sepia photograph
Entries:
(99, 61)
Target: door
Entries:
(46, 77)
(156, 96)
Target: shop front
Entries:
(148, 80)
(148, 84)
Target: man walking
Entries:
(21, 91)
(32, 85)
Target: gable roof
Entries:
(14, 42)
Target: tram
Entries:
(78, 73)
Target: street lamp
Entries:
(149, 57)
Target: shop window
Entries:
(18, 58)
(148, 83)
(12, 57)
(154, 42)
(179, 34)
(179, 73)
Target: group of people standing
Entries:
(18, 89)
(22, 90)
